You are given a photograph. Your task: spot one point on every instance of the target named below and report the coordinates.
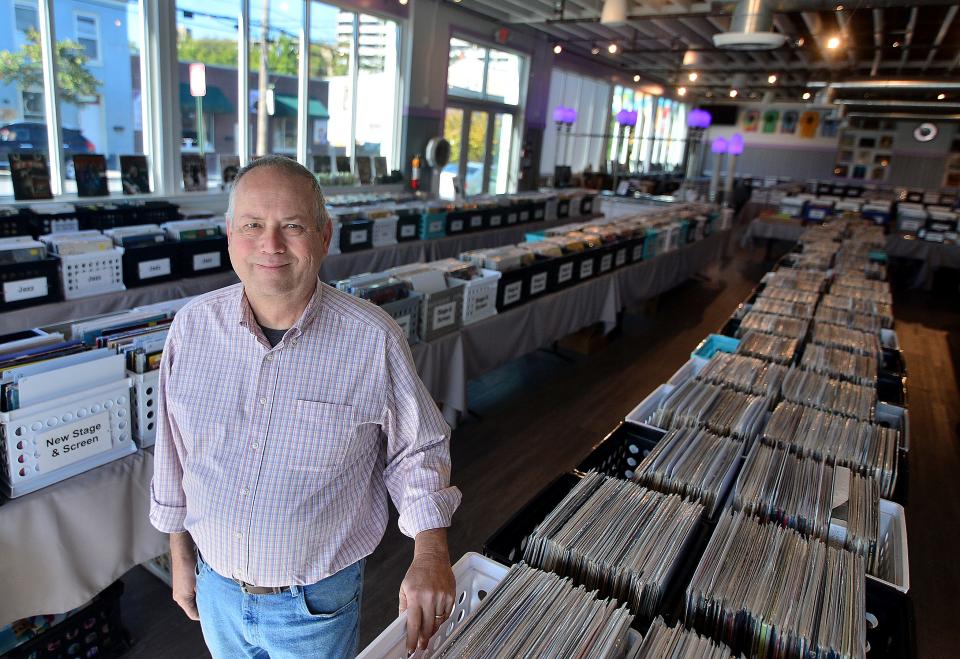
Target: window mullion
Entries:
(303, 87)
(354, 85)
(51, 99)
(243, 83)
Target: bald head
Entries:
(286, 167)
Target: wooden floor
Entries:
(540, 414)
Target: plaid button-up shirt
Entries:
(278, 460)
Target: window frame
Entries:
(80, 14)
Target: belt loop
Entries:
(294, 591)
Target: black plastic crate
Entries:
(901, 491)
(17, 222)
(44, 223)
(511, 289)
(561, 273)
(458, 222)
(537, 279)
(563, 208)
(28, 284)
(524, 212)
(507, 543)
(586, 205)
(155, 212)
(355, 235)
(621, 252)
(586, 264)
(511, 216)
(619, 453)
(408, 227)
(891, 625)
(151, 264)
(892, 389)
(95, 630)
(202, 257)
(495, 217)
(538, 211)
(476, 220)
(605, 259)
(892, 363)
(106, 216)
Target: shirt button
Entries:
(263, 401)
(270, 357)
(239, 535)
(255, 446)
(293, 342)
(245, 491)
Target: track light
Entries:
(806, 96)
(558, 49)
(833, 43)
(636, 78)
(595, 50)
(681, 91)
(612, 49)
(733, 93)
(693, 76)
(772, 79)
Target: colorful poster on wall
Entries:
(770, 118)
(809, 121)
(789, 123)
(751, 119)
(829, 126)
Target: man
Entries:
(287, 411)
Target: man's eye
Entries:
(252, 225)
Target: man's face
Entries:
(275, 245)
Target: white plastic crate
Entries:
(893, 565)
(385, 230)
(92, 273)
(480, 296)
(407, 314)
(643, 413)
(476, 576)
(145, 407)
(49, 442)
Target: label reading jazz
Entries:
(638, 253)
(24, 289)
(538, 283)
(357, 237)
(476, 221)
(586, 269)
(565, 273)
(206, 261)
(621, 257)
(538, 214)
(524, 216)
(444, 315)
(496, 220)
(456, 225)
(90, 280)
(74, 441)
(404, 323)
(606, 262)
(408, 230)
(155, 268)
(511, 292)
(511, 218)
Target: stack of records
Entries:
(835, 336)
(880, 309)
(753, 376)
(777, 486)
(873, 294)
(769, 591)
(797, 279)
(773, 348)
(783, 307)
(793, 328)
(693, 463)
(679, 643)
(830, 394)
(721, 409)
(859, 321)
(616, 536)
(789, 294)
(858, 281)
(816, 260)
(841, 364)
(860, 445)
(536, 614)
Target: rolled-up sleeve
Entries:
(417, 472)
(168, 504)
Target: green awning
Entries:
(286, 106)
(215, 101)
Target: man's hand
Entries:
(183, 566)
(428, 590)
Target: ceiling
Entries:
(892, 42)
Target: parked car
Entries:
(31, 137)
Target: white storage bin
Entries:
(892, 566)
(642, 413)
(480, 296)
(385, 230)
(49, 442)
(145, 407)
(476, 576)
(92, 273)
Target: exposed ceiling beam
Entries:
(877, 40)
(947, 22)
(908, 38)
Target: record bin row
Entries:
(889, 628)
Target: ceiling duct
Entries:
(614, 12)
(751, 28)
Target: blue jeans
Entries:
(319, 620)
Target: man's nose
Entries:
(273, 240)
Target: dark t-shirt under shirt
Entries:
(274, 336)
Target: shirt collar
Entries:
(246, 318)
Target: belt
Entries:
(250, 589)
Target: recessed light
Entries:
(612, 49)
(833, 43)
(896, 44)
(940, 97)
(693, 76)
(806, 96)
(733, 93)
(558, 49)
(636, 78)
(681, 91)
(800, 42)
(772, 79)
(839, 7)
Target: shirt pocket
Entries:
(323, 437)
